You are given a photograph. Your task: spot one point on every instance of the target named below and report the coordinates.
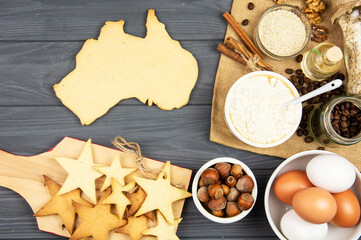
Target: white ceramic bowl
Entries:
(199, 204)
(275, 209)
(229, 100)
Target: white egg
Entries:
(295, 228)
(331, 172)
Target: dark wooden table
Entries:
(38, 43)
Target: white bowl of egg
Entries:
(255, 110)
(314, 195)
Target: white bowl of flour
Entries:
(255, 111)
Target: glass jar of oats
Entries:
(348, 14)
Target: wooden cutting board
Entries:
(24, 175)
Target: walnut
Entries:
(314, 10)
(314, 18)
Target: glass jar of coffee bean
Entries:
(337, 122)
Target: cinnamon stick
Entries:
(247, 41)
(238, 46)
(230, 53)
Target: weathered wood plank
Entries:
(28, 70)
(79, 20)
(17, 222)
(181, 136)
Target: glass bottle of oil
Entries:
(322, 61)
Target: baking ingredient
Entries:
(118, 198)
(202, 194)
(81, 173)
(322, 61)
(314, 10)
(117, 66)
(282, 32)
(331, 172)
(299, 58)
(210, 176)
(295, 228)
(245, 184)
(250, 6)
(61, 205)
(96, 221)
(245, 22)
(289, 71)
(232, 209)
(217, 204)
(237, 171)
(223, 169)
(346, 120)
(256, 109)
(233, 194)
(218, 213)
(215, 191)
(164, 230)
(245, 201)
(350, 25)
(319, 33)
(231, 181)
(314, 205)
(348, 209)
(289, 183)
(116, 171)
(135, 227)
(160, 194)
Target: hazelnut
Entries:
(210, 176)
(245, 184)
(202, 194)
(233, 194)
(216, 205)
(225, 189)
(245, 201)
(218, 213)
(236, 171)
(201, 183)
(215, 191)
(231, 181)
(223, 169)
(232, 209)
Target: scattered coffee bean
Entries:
(250, 6)
(321, 148)
(299, 132)
(299, 58)
(245, 22)
(326, 141)
(341, 76)
(298, 72)
(308, 139)
(289, 71)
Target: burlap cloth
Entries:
(229, 71)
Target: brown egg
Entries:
(348, 209)
(314, 205)
(286, 185)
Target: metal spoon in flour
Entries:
(325, 88)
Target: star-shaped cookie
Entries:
(118, 198)
(163, 230)
(160, 194)
(81, 173)
(61, 205)
(115, 171)
(96, 221)
(135, 227)
(137, 199)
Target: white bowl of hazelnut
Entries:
(224, 190)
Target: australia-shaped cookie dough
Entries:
(117, 66)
